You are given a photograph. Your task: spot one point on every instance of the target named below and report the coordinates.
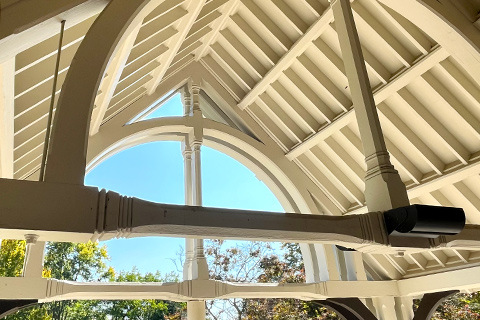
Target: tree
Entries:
(86, 262)
(145, 309)
(259, 262)
(12, 255)
(238, 263)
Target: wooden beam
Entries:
(26, 23)
(109, 83)
(227, 11)
(289, 58)
(185, 24)
(188, 290)
(7, 77)
(381, 94)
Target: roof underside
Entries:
(280, 61)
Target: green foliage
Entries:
(144, 309)
(86, 262)
(77, 261)
(12, 254)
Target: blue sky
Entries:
(154, 172)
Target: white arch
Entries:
(232, 142)
(270, 166)
(445, 24)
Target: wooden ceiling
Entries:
(280, 62)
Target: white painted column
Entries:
(34, 254)
(196, 309)
(7, 81)
(383, 187)
(189, 242)
(187, 102)
(201, 270)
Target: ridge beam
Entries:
(437, 55)
(185, 24)
(113, 73)
(7, 76)
(315, 30)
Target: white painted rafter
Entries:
(184, 26)
(228, 9)
(289, 58)
(381, 94)
(113, 73)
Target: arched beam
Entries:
(445, 24)
(430, 303)
(272, 168)
(67, 156)
(248, 151)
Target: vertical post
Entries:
(383, 187)
(195, 309)
(34, 253)
(189, 242)
(7, 94)
(187, 102)
(200, 260)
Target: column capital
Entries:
(195, 88)
(196, 144)
(187, 102)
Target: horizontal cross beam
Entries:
(73, 213)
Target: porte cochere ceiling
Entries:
(273, 69)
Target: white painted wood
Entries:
(447, 26)
(286, 60)
(54, 290)
(34, 254)
(48, 290)
(7, 75)
(75, 104)
(113, 73)
(383, 187)
(193, 9)
(227, 11)
(20, 31)
(381, 94)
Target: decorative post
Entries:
(384, 189)
(196, 266)
(187, 102)
(34, 252)
(189, 242)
